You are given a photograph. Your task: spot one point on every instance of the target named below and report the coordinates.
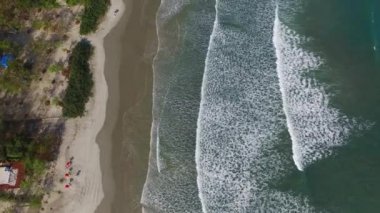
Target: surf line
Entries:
(198, 131)
(295, 146)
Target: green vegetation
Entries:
(55, 68)
(56, 101)
(40, 24)
(27, 150)
(14, 13)
(33, 200)
(76, 2)
(14, 149)
(93, 12)
(26, 136)
(80, 81)
(35, 154)
(38, 3)
(5, 46)
(15, 78)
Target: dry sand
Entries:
(79, 140)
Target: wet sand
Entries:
(125, 136)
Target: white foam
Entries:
(241, 117)
(315, 127)
(159, 164)
(171, 180)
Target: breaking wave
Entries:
(314, 126)
(241, 121)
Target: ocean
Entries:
(265, 106)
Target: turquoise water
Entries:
(266, 106)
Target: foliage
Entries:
(38, 3)
(35, 201)
(40, 24)
(7, 196)
(56, 101)
(26, 184)
(55, 68)
(34, 167)
(5, 46)
(80, 82)
(16, 148)
(21, 148)
(15, 77)
(76, 2)
(14, 13)
(94, 10)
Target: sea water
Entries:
(266, 106)
(343, 36)
(183, 28)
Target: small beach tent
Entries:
(7, 176)
(5, 60)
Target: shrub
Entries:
(75, 2)
(80, 81)
(34, 167)
(15, 78)
(54, 68)
(40, 24)
(5, 45)
(38, 3)
(35, 201)
(14, 149)
(94, 10)
(26, 184)
(56, 101)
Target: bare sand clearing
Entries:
(79, 142)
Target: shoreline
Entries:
(129, 108)
(78, 141)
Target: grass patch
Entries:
(76, 2)
(54, 68)
(80, 82)
(40, 24)
(94, 10)
(15, 78)
(38, 3)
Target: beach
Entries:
(79, 139)
(110, 144)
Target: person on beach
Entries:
(68, 164)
